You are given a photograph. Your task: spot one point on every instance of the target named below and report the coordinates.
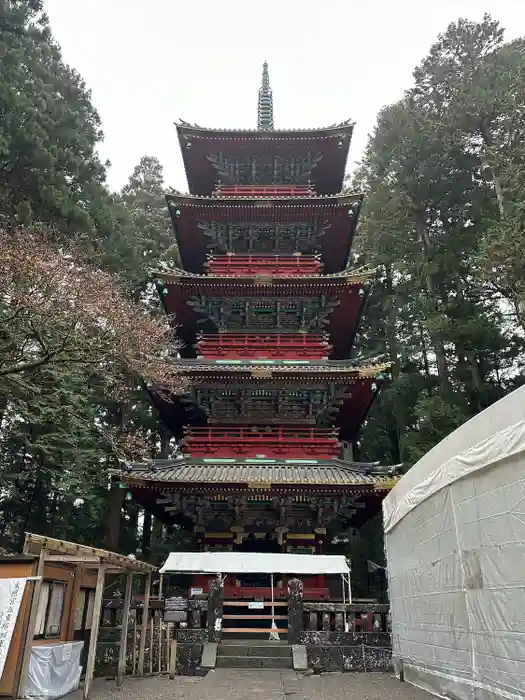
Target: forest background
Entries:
(444, 221)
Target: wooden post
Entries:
(123, 648)
(161, 580)
(134, 650)
(30, 631)
(151, 640)
(144, 625)
(74, 600)
(345, 612)
(171, 634)
(173, 657)
(93, 637)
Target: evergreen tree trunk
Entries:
(133, 527)
(146, 535)
(426, 364)
(439, 346)
(488, 141)
(157, 536)
(393, 351)
(29, 509)
(474, 368)
(115, 502)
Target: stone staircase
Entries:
(254, 654)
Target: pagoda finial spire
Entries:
(265, 105)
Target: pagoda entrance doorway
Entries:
(250, 610)
(264, 546)
(251, 543)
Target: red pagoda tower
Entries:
(266, 308)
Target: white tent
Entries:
(253, 563)
(222, 563)
(455, 544)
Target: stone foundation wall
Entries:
(348, 651)
(190, 643)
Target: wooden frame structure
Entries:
(83, 558)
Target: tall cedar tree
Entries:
(49, 170)
(443, 183)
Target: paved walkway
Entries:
(233, 684)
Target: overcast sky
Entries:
(149, 63)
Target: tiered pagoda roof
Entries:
(318, 156)
(250, 474)
(266, 307)
(336, 302)
(349, 391)
(265, 479)
(290, 226)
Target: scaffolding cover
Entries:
(455, 545)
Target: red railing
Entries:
(270, 442)
(241, 265)
(291, 346)
(264, 191)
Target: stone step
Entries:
(248, 636)
(283, 651)
(253, 662)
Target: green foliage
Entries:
(49, 130)
(148, 228)
(443, 220)
(51, 476)
(61, 432)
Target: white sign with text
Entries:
(11, 592)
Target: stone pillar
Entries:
(215, 600)
(195, 618)
(295, 610)
(347, 451)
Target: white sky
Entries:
(149, 63)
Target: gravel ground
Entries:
(155, 688)
(233, 684)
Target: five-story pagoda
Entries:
(267, 309)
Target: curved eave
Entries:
(328, 371)
(176, 276)
(197, 473)
(297, 487)
(188, 212)
(196, 131)
(343, 319)
(332, 143)
(352, 412)
(293, 202)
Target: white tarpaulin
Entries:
(253, 563)
(54, 670)
(11, 593)
(455, 544)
